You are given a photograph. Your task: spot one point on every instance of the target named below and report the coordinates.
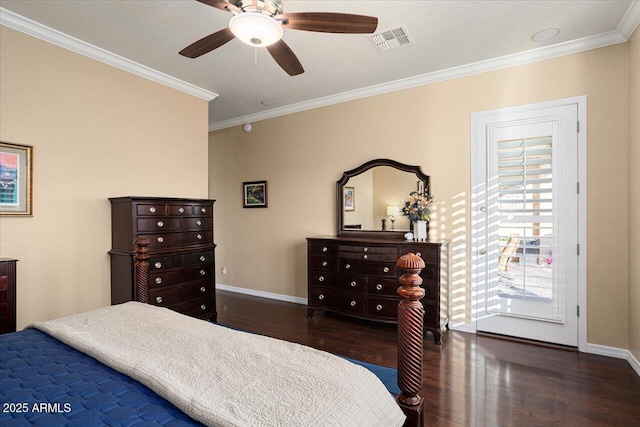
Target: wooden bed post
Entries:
(141, 276)
(410, 340)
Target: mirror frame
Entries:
(382, 234)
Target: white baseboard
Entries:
(262, 294)
(618, 353)
(462, 327)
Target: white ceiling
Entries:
(450, 39)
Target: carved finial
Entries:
(410, 261)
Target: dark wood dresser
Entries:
(7, 295)
(357, 276)
(181, 253)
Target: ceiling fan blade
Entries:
(207, 44)
(221, 4)
(327, 22)
(285, 57)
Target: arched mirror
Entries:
(376, 191)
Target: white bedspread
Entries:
(223, 377)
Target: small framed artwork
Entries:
(15, 179)
(254, 194)
(420, 187)
(349, 199)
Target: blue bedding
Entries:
(44, 382)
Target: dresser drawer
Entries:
(368, 249)
(161, 263)
(196, 224)
(428, 253)
(350, 303)
(382, 287)
(350, 266)
(321, 263)
(180, 210)
(323, 248)
(173, 295)
(170, 240)
(321, 297)
(158, 224)
(203, 308)
(322, 279)
(202, 210)
(352, 283)
(371, 257)
(180, 275)
(151, 209)
(382, 307)
(387, 269)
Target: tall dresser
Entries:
(181, 253)
(7, 295)
(357, 276)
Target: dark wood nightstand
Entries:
(7, 295)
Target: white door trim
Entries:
(476, 181)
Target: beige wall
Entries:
(634, 194)
(97, 132)
(302, 155)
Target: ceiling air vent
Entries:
(390, 39)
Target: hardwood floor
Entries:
(469, 380)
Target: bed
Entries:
(137, 364)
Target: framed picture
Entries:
(15, 179)
(349, 199)
(254, 194)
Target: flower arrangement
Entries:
(418, 206)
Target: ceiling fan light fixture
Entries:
(256, 29)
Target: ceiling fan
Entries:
(260, 23)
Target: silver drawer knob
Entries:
(158, 280)
(199, 236)
(203, 289)
(418, 253)
(203, 210)
(181, 210)
(379, 287)
(353, 283)
(348, 266)
(365, 249)
(386, 269)
(203, 307)
(158, 300)
(152, 209)
(203, 272)
(320, 297)
(325, 249)
(160, 224)
(202, 258)
(352, 303)
(325, 263)
(365, 256)
(379, 307)
(160, 239)
(158, 264)
(198, 222)
(321, 278)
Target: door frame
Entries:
(479, 119)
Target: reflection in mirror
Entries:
(379, 193)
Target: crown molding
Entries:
(620, 35)
(630, 20)
(35, 29)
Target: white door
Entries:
(526, 223)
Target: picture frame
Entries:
(349, 196)
(16, 179)
(254, 194)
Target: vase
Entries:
(420, 231)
